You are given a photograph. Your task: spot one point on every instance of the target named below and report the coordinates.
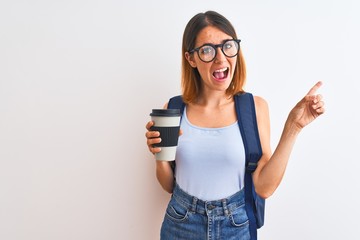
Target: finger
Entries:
(154, 149)
(318, 105)
(151, 141)
(310, 98)
(320, 110)
(152, 135)
(313, 90)
(318, 98)
(313, 98)
(149, 125)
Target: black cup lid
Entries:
(165, 112)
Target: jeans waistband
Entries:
(221, 207)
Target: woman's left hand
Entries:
(308, 109)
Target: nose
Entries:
(220, 56)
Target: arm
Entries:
(164, 173)
(271, 167)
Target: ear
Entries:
(190, 58)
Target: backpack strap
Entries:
(176, 103)
(245, 110)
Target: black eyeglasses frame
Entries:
(216, 46)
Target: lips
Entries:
(221, 74)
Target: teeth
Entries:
(221, 70)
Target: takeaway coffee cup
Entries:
(167, 122)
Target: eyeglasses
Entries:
(207, 52)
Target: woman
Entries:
(209, 167)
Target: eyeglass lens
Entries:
(207, 53)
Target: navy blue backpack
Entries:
(245, 110)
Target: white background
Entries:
(79, 78)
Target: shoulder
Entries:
(166, 105)
(260, 102)
(261, 106)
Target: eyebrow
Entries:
(213, 44)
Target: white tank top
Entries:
(210, 162)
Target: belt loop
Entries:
(193, 206)
(226, 211)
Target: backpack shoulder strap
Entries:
(245, 110)
(176, 103)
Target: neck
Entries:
(214, 99)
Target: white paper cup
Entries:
(167, 122)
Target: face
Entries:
(217, 74)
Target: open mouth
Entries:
(221, 73)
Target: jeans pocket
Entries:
(176, 212)
(239, 218)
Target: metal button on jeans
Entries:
(211, 207)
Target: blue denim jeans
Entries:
(189, 218)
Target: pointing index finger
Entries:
(314, 88)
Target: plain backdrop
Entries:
(79, 78)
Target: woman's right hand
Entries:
(153, 137)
